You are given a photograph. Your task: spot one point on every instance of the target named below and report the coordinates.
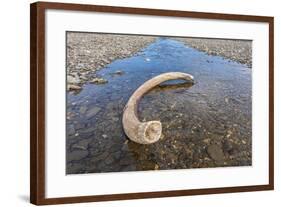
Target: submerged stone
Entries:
(99, 81)
(215, 152)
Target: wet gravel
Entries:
(236, 50)
(89, 52)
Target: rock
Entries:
(71, 87)
(73, 80)
(80, 65)
(70, 129)
(100, 157)
(127, 161)
(229, 133)
(124, 148)
(119, 72)
(93, 111)
(156, 167)
(77, 155)
(99, 81)
(83, 77)
(115, 119)
(207, 140)
(74, 168)
(215, 152)
(78, 147)
(82, 145)
(229, 147)
(109, 160)
(83, 109)
(117, 155)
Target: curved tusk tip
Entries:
(151, 131)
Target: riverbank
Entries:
(236, 50)
(89, 52)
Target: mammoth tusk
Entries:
(146, 132)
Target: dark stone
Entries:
(127, 161)
(93, 111)
(73, 168)
(215, 152)
(100, 157)
(229, 147)
(77, 155)
(117, 155)
(83, 109)
(109, 160)
(119, 72)
(70, 129)
(82, 144)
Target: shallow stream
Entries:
(204, 125)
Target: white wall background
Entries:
(14, 102)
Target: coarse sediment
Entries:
(89, 52)
(236, 50)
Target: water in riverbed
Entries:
(204, 125)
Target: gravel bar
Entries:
(89, 52)
(236, 50)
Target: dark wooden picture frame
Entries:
(37, 102)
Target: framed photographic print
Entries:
(130, 103)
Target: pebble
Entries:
(156, 167)
(227, 146)
(71, 87)
(109, 160)
(99, 81)
(70, 129)
(73, 80)
(100, 157)
(207, 141)
(82, 144)
(83, 109)
(117, 155)
(119, 72)
(76, 155)
(115, 119)
(79, 147)
(93, 111)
